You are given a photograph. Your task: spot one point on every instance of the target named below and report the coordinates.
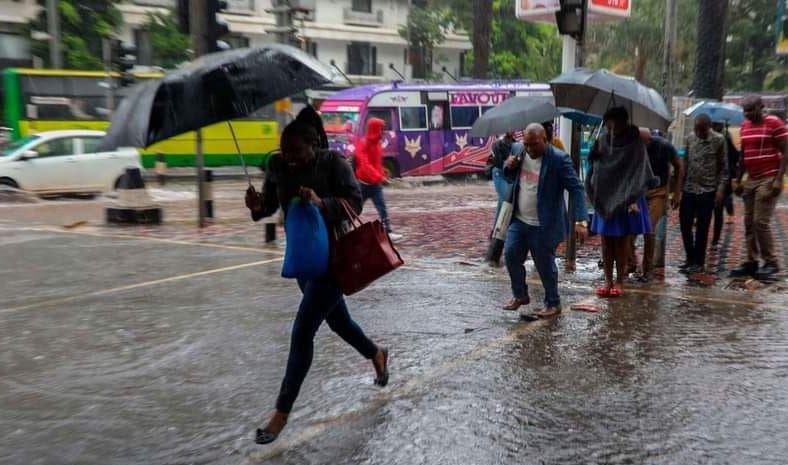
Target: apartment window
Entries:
(310, 47)
(361, 59)
(463, 66)
(364, 6)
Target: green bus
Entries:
(36, 100)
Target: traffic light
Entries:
(124, 57)
(216, 27)
(571, 19)
(183, 16)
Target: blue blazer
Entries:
(556, 176)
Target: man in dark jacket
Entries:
(539, 223)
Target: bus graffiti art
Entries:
(427, 125)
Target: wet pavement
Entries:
(164, 345)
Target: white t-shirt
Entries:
(527, 211)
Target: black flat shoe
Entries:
(383, 379)
(264, 437)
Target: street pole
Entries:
(197, 26)
(53, 24)
(106, 51)
(667, 55)
(568, 63)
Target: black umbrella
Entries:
(514, 114)
(594, 92)
(215, 88)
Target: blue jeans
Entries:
(375, 192)
(522, 238)
(501, 188)
(322, 301)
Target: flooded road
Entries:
(127, 351)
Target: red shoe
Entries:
(616, 292)
(603, 291)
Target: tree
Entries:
(170, 46)
(751, 63)
(482, 25)
(425, 29)
(710, 57)
(83, 24)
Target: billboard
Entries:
(537, 10)
(782, 28)
(543, 11)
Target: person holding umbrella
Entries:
(540, 220)
(304, 170)
(619, 178)
(552, 139)
(733, 169)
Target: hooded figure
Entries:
(369, 154)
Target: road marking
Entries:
(292, 439)
(129, 287)
(155, 239)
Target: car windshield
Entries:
(14, 147)
(338, 122)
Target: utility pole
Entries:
(53, 20)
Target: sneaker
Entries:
(395, 237)
(768, 270)
(743, 270)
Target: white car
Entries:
(64, 162)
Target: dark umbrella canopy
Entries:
(594, 92)
(514, 115)
(215, 88)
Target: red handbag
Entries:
(362, 254)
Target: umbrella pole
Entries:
(240, 155)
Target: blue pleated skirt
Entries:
(624, 224)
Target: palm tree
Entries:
(710, 51)
(482, 25)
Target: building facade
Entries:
(360, 37)
(14, 43)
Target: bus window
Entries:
(463, 117)
(385, 115)
(413, 118)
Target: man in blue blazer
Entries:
(539, 222)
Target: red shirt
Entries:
(369, 154)
(760, 152)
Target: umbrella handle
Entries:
(240, 155)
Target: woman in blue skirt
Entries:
(620, 175)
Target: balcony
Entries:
(361, 18)
(238, 7)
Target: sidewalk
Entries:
(236, 173)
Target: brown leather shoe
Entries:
(515, 304)
(549, 312)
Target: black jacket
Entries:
(330, 177)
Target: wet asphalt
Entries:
(134, 350)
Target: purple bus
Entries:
(427, 125)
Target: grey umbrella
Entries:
(215, 88)
(514, 115)
(594, 92)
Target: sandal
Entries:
(616, 292)
(603, 291)
(383, 379)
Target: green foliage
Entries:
(170, 46)
(751, 62)
(83, 24)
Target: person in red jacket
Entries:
(369, 169)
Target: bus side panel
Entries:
(12, 104)
(468, 154)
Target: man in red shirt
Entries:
(764, 141)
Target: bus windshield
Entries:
(14, 147)
(339, 122)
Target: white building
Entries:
(359, 36)
(14, 44)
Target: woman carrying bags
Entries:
(314, 174)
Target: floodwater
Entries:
(128, 351)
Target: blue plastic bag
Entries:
(306, 252)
